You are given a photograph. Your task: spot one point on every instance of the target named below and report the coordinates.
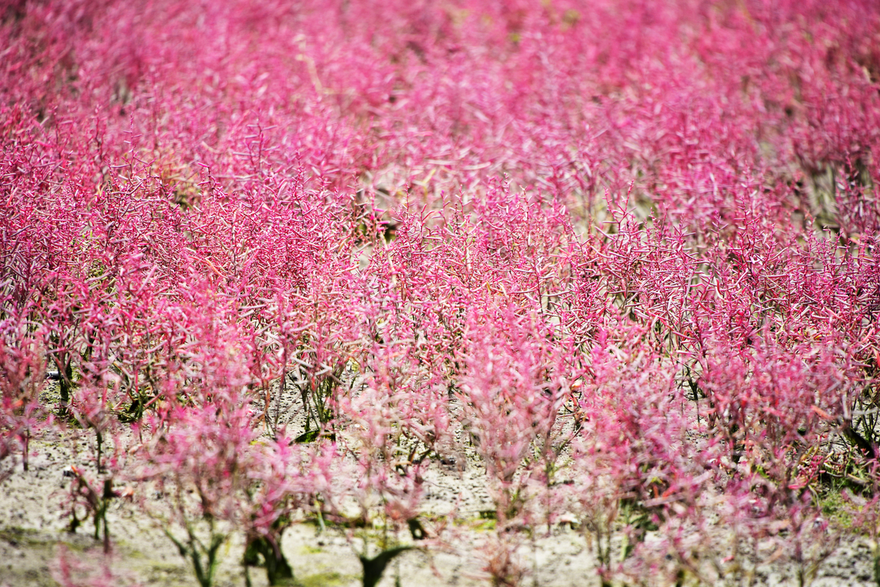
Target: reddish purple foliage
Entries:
(621, 253)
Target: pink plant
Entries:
(71, 571)
(622, 255)
(22, 372)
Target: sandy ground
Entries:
(34, 536)
(33, 532)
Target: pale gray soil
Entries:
(33, 531)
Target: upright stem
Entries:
(100, 442)
(26, 441)
(281, 392)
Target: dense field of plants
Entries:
(279, 258)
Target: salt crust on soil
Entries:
(32, 528)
